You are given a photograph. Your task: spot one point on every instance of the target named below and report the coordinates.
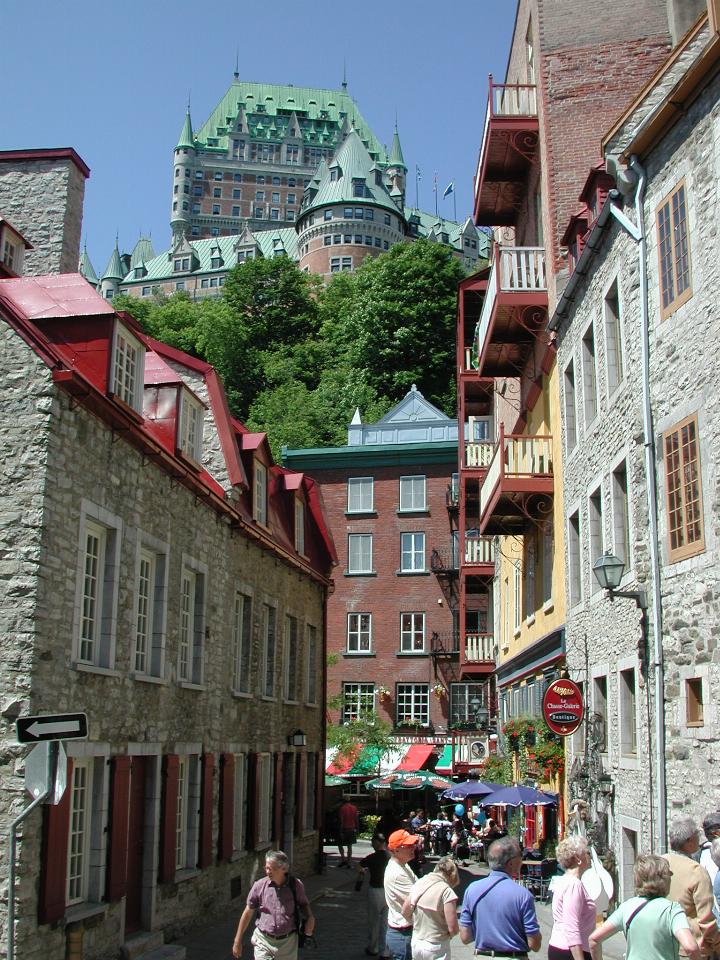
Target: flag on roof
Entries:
(449, 189)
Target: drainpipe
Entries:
(638, 234)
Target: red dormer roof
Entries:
(577, 224)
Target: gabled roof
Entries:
(429, 223)
(268, 111)
(414, 408)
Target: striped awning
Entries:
(367, 762)
(444, 764)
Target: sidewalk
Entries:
(341, 919)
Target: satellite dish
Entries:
(477, 749)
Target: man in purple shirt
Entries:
(275, 934)
(497, 914)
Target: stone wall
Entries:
(72, 462)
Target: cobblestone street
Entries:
(342, 923)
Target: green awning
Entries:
(367, 764)
(444, 764)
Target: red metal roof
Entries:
(67, 295)
(416, 757)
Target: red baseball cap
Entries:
(401, 838)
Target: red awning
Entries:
(416, 756)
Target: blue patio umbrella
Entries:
(470, 788)
(517, 796)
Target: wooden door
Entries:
(136, 846)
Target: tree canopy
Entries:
(298, 357)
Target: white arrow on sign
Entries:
(63, 727)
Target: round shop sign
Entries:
(563, 707)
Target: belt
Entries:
(277, 936)
(500, 953)
(401, 929)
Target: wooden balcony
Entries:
(514, 310)
(518, 485)
(477, 655)
(480, 555)
(509, 147)
(478, 454)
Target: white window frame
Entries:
(590, 394)
(410, 630)
(190, 426)
(292, 656)
(628, 760)
(614, 339)
(311, 660)
(418, 703)
(191, 622)
(596, 531)
(187, 812)
(240, 799)
(97, 588)
(358, 699)
(597, 672)
(355, 633)
(570, 420)
(299, 526)
(574, 557)
(127, 367)
(413, 494)
(269, 651)
(260, 492)
(79, 838)
(360, 558)
(411, 552)
(242, 638)
(148, 658)
(620, 529)
(265, 793)
(92, 758)
(362, 485)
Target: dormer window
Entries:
(358, 188)
(299, 526)
(190, 426)
(140, 272)
(127, 366)
(260, 493)
(181, 264)
(334, 174)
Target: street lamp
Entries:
(297, 739)
(480, 712)
(608, 570)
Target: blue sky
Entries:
(112, 81)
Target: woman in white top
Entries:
(431, 907)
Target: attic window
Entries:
(190, 426)
(334, 174)
(216, 261)
(127, 367)
(181, 264)
(358, 188)
(140, 272)
(260, 493)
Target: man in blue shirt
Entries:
(497, 914)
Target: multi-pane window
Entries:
(187, 812)
(574, 563)
(412, 552)
(517, 594)
(683, 488)
(595, 526)
(242, 641)
(360, 553)
(299, 526)
(191, 634)
(98, 575)
(291, 659)
(613, 338)
(358, 701)
(267, 674)
(239, 800)
(590, 399)
(465, 700)
(311, 664)
(413, 703)
(628, 712)
(260, 494)
(360, 495)
(146, 600)
(128, 368)
(265, 797)
(79, 836)
(570, 407)
(412, 632)
(673, 251)
(600, 708)
(621, 513)
(359, 633)
(190, 432)
(412, 493)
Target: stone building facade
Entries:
(164, 577)
(42, 194)
(607, 476)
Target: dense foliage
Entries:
(298, 357)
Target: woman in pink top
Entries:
(573, 910)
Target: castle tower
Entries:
(397, 172)
(86, 268)
(183, 180)
(114, 273)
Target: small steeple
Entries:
(114, 270)
(86, 268)
(186, 137)
(396, 154)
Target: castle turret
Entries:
(114, 274)
(397, 171)
(86, 268)
(185, 154)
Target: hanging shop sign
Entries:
(563, 707)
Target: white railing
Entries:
(479, 550)
(518, 269)
(469, 365)
(478, 454)
(479, 648)
(505, 100)
(516, 456)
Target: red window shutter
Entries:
(301, 767)
(119, 814)
(206, 810)
(227, 805)
(278, 797)
(169, 814)
(319, 791)
(253, 824)
(53, 873)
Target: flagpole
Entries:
(417, 187)
(436, 196)
(454, 206)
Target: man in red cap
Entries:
(398, 880)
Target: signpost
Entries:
(563, 707)
(45, 779)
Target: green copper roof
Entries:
(142, 252)
(396, 154)
(270, 242)
(186, 137)
(114, 269)
(351, 163)
(381, 454)
(428, 223)
(86, 268)
(268, 108)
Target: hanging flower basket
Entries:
(439, 691)
(383, 693)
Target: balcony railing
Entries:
(479, 453)
(479, 550)
(445, 644)
(445, 561)
(479, 648)
(452, 495)
(514, 270)
(470, 360)
(516, 457)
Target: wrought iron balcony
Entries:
(513, 310)
(518, 484)
(445, 561)
(509, 147)
(445, 645)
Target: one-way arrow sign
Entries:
(64, 726)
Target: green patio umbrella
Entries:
(409, 780)
(332, 781)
